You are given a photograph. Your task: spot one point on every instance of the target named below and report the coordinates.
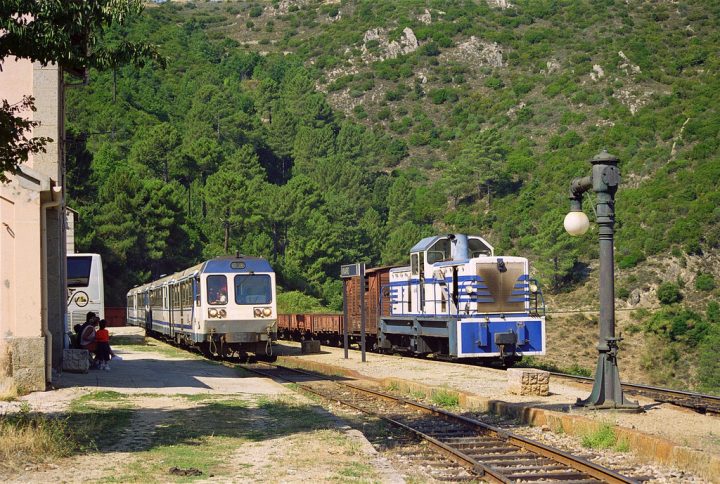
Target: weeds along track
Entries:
(452, 447)
(701, 403)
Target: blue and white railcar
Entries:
(222, 306)
(458, 299)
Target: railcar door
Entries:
(171, 310)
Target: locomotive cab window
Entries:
(439, 251)
(217, 292)
(253, 289)
(477, 248)
(415, 263)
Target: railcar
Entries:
(223, 307)
(456, 300)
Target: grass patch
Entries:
(392, 387)
(27, 438)
(128, 341)
(98, 419)
(445, 399)
(202, 437)
(91, 399)
(95, 421)
(356, 470)
(605, 438)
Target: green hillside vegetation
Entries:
(318, 134)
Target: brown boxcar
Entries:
(377, 300)
(328, 328)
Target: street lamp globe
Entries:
(576, 223)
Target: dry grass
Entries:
(26, 438)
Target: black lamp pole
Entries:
(604, 180)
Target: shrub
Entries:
(298, 302)
(677, 323)
(256, 11)
(430, 49)
(709, 363)
(630, 260)
(704, 282)
(669, 293)
(494, 83)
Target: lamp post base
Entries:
(607, 392)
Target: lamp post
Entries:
(603, 180)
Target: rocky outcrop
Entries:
(628, 66)
(425, 18)
(503, 4)
(406, 44)
(481, 53)
(633, 98)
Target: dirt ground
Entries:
(189, 415)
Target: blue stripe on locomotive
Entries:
(478, 337)
(225, 265)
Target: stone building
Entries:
(32, 238)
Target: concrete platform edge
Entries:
(647, 447)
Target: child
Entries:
(102, 338)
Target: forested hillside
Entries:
(322, 133)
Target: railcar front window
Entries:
(255, 289)
(217, 290)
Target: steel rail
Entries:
(577, 463)
(697, 401)
(486, 471)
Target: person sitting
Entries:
(102, 339)
(87, 338)
(75, 336)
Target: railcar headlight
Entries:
(469, 289)
(533, 288)
(258, 312)
(267, 312)
(212, 312)
(222, 313)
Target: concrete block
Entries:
(310, 346)
(528, 381)
(76, 361)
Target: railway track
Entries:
(701, 403)
(452, 447)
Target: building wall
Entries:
(32, 292)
